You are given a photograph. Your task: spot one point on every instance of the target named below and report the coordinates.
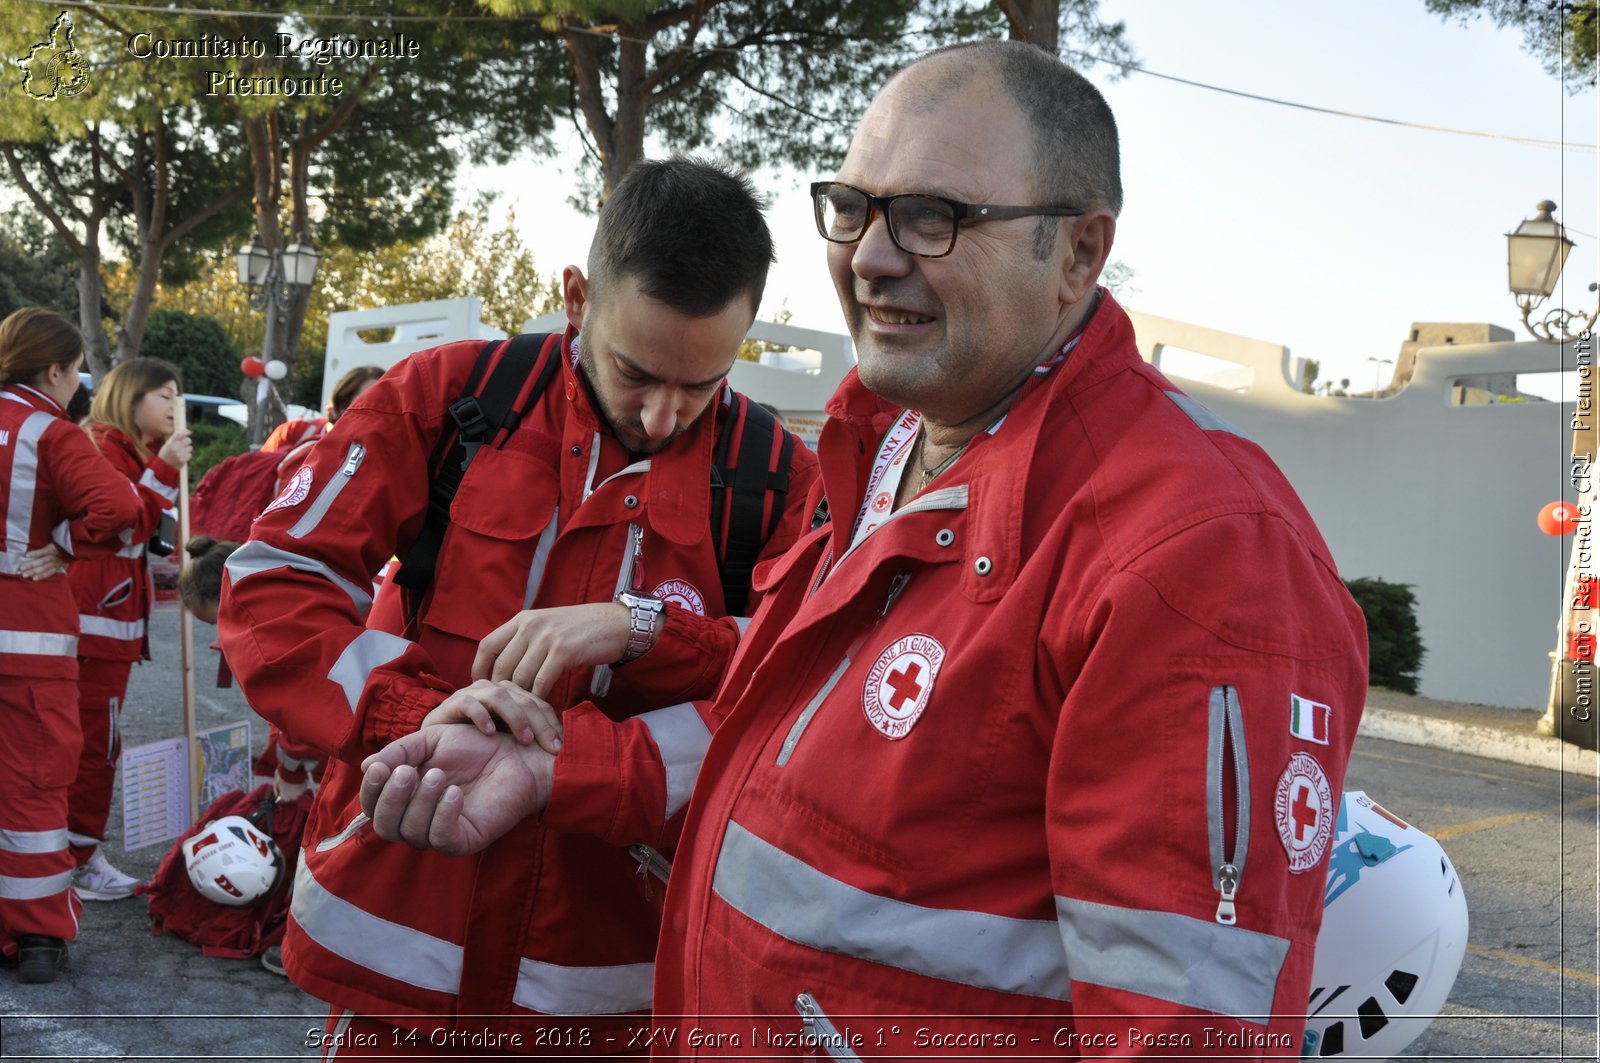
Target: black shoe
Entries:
(40, 958)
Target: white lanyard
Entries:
(887, 469)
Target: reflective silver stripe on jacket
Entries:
(557, 990)
(368, 650)
(13, 888)
(41, 643)
(1201, 416)
(330, 493)
(1193, 962)
(132, 550)
(24, 484)
(427, 962)
(254, 558)
(150, 480)
(105, 627)
(33, 841)
(541, 554)
(796, 901)
(681, 736)
(743, 623)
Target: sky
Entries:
(1326, 234)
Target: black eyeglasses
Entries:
(919, 224)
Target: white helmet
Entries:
(232, 862)
(1394, 931)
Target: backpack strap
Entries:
(743, 486)
(489, 410)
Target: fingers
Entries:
(491, 647)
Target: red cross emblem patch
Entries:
(1305, 810)
(899, 683)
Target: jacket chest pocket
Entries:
(503, 523)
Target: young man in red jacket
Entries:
(581, 540)
(1037, 749)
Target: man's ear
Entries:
(1089, 247)
(575, 295)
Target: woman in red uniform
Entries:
(61, 500)
(133, 422)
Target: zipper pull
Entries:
(637, 534)
(1228, 886)
(651, 862)
(895, 587)
(806, 1005)
(353, 462)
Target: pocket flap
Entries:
(506, 494)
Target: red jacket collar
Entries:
(36, 398)
(677, 487)
(998, 483)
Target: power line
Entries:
(613, 35)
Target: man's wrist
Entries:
(646, 619)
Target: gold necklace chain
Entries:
(928, 474)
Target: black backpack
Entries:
(506, 382)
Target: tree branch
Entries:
(56, 222)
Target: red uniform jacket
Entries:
(1022, 771)
(543, 921)
(114, 593)
(54, 486)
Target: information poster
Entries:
(222, 760)
(155, 793)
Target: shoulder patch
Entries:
(681, 592)
(1304, 809)
(294, 492)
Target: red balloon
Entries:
(1559, 518)
(253, 366)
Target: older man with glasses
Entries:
(1012, 760)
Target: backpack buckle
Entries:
(471, 424)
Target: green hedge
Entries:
(1393, 638)
(213, 442)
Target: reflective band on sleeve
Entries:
(254, 558)
(743, 623)
(149, 479)
(61, 535)
(43, 643)
(330, 493)
(1194, 962)
(33, 889)
(681, 736)
(796, 901)
(583, 990)
(132, 550)
(33, 841)
(369, 941)
(1201, 416)
(105, 627)
(366, 651)
(24, 481)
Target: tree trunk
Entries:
(1037, 22)
(633, 100)
(96, 344)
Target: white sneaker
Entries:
(99, 881)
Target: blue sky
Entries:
(1327, 234)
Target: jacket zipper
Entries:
(330, 492)
(1225, 735)
(803, 721)
(600, 684)
(819, 1031)
(651, 862)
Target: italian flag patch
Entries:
(1309, 719)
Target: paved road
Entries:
(1523, 839)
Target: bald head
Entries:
(1076, 161)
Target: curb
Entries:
(1528, 749)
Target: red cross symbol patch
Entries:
(899, 683)
(1305, 810)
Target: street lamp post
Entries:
(1377, 373)
(274, 278)
(1535, 253)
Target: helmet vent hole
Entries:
(1370, 1015)
(1401, 983)
(1332, 1041)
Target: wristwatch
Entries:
(646, 618)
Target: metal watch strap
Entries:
(646, 617)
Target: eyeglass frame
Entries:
(960, 211)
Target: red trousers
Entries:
(38, 756)
(102, 686)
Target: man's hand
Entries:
(43, 562)
(528, 718)
(454, 789)
(537, 646)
